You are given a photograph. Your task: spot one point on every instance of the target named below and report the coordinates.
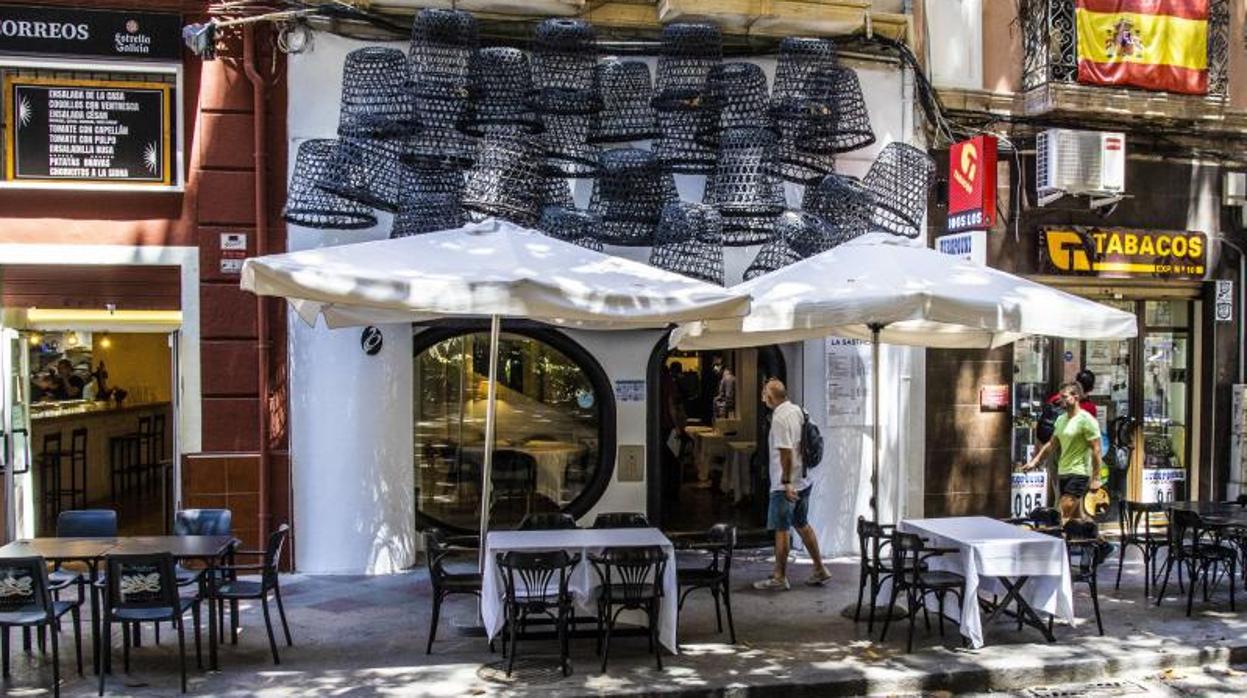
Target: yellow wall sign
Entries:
(1122, 252)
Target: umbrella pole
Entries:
(495, 329)
(874, 420)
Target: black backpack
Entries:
(1047, 422)
(811, 444)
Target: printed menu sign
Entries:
(87, 131)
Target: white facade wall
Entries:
(351, 415)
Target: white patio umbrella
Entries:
(492, 269)
(884, 290)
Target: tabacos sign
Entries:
(97, 33)
(1123, 252)
(972, 184)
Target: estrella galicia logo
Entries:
(370, 340)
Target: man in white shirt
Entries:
(790, 489)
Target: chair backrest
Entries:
(1133, 516)
(534, 573)
(547, 521)
(145, 426)
(86, 523)
(52, 445)
(1082, 543)
(632, 576)
(145, 580)
(24, 586)
(203, 522)
(621, 519)
(78, 442)
(723, 534)
(1184, 527)
(1044, 517)
(435, 540)
(272, 554)
(872, 538)
(513, 471)
(907, 553)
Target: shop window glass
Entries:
(548, 430)
(1030, 389)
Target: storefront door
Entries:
(15, 431)
(1141, 392)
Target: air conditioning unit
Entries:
(1090, 163)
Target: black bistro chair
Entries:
(874, 565)
(1194, 543)
(26, 602)
(142, 588)
(910, 554)
(536, 584)
(232, 589)
(621, 519)
(1086, 552)
(446, 582)
(720, 542)
(631, 580)
(1137, 530)
(547, 521)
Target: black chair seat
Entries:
(942, 579)
(146, 615)
(35, 617)
(59, 579)
(698, 575)
(239, 589)
(462, 583)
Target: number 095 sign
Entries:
(1029, 492)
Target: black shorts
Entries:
(1074, 485)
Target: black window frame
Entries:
(427, 335)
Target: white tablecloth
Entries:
(584, 581)
(991, 549)
(736, 472)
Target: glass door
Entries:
(1165, 379)
(18, 500)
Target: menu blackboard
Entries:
(87, 131)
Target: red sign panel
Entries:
(993, 398)
(972, 184)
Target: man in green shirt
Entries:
(1077, 434)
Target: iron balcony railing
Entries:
(1050, 43)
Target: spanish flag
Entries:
(1153, 44)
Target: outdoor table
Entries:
(583, 581)
(1029, 568)
(737, 473)
(1228, 511)
(92, 551)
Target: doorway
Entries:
(90, 419)
(706, 422)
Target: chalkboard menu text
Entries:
(91, 131)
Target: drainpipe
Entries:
(259, 100)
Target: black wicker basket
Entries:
(689, 241)
(837, 120)
(443, 43)
(506, 179)
(426, 214)
(628, 196)
(798, 235)
(502, 93)
(799, 57)
(570, 225)
(899, 180)
(443, 108)
(735, 97)
(743, 183)
(565, 58)
(688, 53)
(626, 112)
(365, 170)
(555, 191)
(843, 204)
(677, 146)
(377, 99)
(566, 144)
(310, 206)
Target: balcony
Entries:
(1050, 73)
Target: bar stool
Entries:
(156, 461)
(77, 458)
(123, 456)
(146, 438)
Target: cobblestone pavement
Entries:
(357, 636)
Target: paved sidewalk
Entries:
(365, 636)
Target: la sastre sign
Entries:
(1122, 252)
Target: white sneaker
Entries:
(819, 578)
(771, 584)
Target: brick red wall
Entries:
(219, 196)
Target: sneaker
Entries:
(771, 584)
(819, 578)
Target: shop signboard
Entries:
(88, 131)
(1160, 484)
(972, 184)
(73, 31)
(1029, 492)
(970, 246)
(1122, 253)
(994, 398)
